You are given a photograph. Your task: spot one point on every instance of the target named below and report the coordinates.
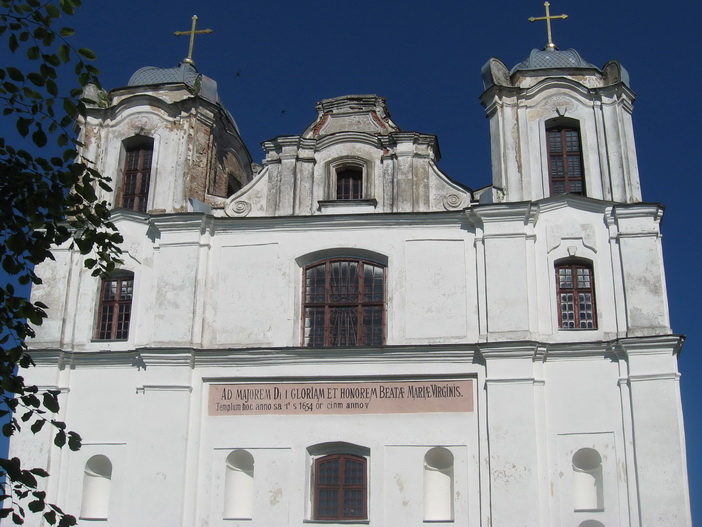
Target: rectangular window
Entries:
(344, 304)
(565, 161)
(576, 296)
(349, 183)
(115, 308)
(136, 177)
(340, 489)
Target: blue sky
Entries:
(273, 60)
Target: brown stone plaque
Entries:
(346, 398)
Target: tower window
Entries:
(349, 183)
(344, 303)
(115, 307)
(340, 488)
(576, 296)
(137, 176)
(565, 160)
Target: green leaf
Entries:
(23, 126)
(67, 31)
(50, 517)
(86, 53)
(37, 426)
(52, 11)
(39, 138)
(50, 401)
(33, 53)
(35, 78)
(60, 439)
(64, 52)
(15, 74)
(70, 108)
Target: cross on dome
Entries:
(548, 19)
(192, 33)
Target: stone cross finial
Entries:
(192, 34)
(548, 19)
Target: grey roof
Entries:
(184, 73)
(546, 59)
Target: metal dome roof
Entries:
(548, 58)
(184, 73)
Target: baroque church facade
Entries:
(343, 334)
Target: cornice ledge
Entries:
(63, 358)
(574, 201)
(117, 215)
(499, 212)
(179, 221)
(653, 345)
(299, 355)
(165, 356)
(638, 210)
(527, 349)
(321, 222)
(164, 388)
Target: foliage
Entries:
(44, 202)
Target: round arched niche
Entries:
(438, 485)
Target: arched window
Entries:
(588, 493)
(438, 485)
(565, 157)
(344, 303)
(575, 287)
(340, 487)
(239, 485)
(115, 308)
(97, 479)
(136, 176)
(349, 182)
(591, 523)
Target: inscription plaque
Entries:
(347, 398)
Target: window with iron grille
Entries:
(115, 308)
(344, 303)
(565, 160)
(349, 183)
(576, 296)
(136, 177)
(340, 488)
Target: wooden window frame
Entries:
(571, 184)
(340, 488)
(349, 183)
(114, 314)
(364, 336)
(141, 175)
(575, 290)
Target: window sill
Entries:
(347, 206)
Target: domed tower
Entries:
(558, 125)
(167, 142)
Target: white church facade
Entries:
(345, 335)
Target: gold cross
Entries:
(192, 34)
(548, 19)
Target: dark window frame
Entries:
(566, 170)
(115, 307)
(136, 175)
(349, 183)
(316, 303)
(576, 278)
(345, 488)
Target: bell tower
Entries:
(559, 124)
